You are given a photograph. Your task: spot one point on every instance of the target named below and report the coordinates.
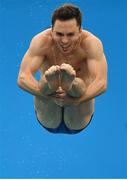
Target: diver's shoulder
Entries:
(43, 38)
(90, 40)
(41, 41)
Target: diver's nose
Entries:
(64, 40)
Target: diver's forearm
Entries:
(30, 85)
(37, 88)
(93, 90)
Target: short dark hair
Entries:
(67, 12)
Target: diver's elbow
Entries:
(20, 80)
(104, 87)
(19, 83)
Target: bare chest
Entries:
(76, 60)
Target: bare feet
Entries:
(52, 77)
(67, 74)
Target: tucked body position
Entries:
(73, 72)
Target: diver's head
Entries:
(66, 27)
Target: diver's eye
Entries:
(59, 34)
(70, 34)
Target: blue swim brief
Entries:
(62, 128)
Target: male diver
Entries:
(73, 71)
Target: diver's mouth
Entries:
(65, 48)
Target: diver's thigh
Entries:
(78, 116)
(48, 113)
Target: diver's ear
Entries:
(80, 30)
(52, 28)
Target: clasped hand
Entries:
(61, 98)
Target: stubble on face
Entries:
(66, 35)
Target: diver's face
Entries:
(66, 35)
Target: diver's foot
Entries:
(52, 77)
(67, 74)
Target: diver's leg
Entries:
(73, 85)
(48, 113)
(78, 117)
(78, 88)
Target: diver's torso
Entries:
(78, 60)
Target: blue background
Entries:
(26, 149)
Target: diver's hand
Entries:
(62, 99)
(56, 97)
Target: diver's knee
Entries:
(78, 88)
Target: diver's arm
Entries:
(99, 84)
(26, 79)
(30, 64)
